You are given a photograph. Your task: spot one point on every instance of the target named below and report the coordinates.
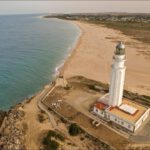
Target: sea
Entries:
(32, 49)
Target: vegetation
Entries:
(50, 142)
(139, 31)
(55, 135)
(25, 127)
(41, 118)
(135, 25)
(92, 85)
(67, 88)
(63, 120)
(143, 99)
(82, 138)
(74, 129)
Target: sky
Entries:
(29, 7)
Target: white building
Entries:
(113, 107)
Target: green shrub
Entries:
(82, 138)
(52, 145)
(63, 120)
(74, 129)
(92, 87)
(55, 135)
(49, 143)
(41, 118)
(67, 88)
(46, 140)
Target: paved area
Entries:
(83, 101)
(143, 134)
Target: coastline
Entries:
(64, 63)
(73, 64)
(70, 52)
(30, 105)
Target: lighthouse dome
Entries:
(120, 49)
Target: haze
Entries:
(27, 7)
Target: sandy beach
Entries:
(93, 54)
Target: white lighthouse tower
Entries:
(117, 76)
(112, 106)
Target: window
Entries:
(122, 123)
(128, 126)
(115, 119)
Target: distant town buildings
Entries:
(113, 107)
(106, 17)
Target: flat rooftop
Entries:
(139, 110)
(128, 109)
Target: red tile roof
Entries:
(100, 105)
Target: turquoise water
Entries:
(30, 50)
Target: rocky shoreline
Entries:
(12, 132)
(2, 116)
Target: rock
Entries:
(2, 116)
(12, 135)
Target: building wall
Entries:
(113, 118)
(142, 119)
(128, 125)
(99, 112)
(121, 122)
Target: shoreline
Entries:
(62, 64)
(57, 70)
(72, 51)
(75, 52)
(60, 67)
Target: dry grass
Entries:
(139, 31)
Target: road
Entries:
(42, 96)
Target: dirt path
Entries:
(35, 128)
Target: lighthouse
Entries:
(112, 106)
(117, 76)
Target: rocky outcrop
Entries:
(2, 116)
(12, 132)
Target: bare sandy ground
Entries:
(35, 129)
(92, 57)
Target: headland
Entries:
(89, 64)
